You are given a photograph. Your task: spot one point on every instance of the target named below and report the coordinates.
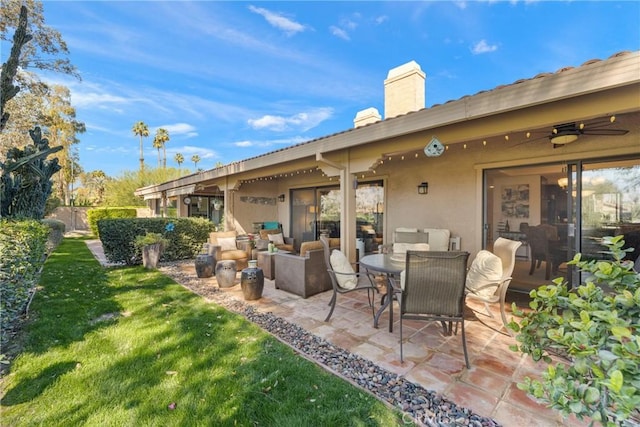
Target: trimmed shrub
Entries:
(56, 233)
(95, 215)
(22, 255)
(185, 237)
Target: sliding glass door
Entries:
(315, 211)
(581, 201)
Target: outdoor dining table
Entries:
(391, 265)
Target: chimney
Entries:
(365, 117)
(404, 90)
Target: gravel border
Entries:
(419, 405)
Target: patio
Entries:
(431, 360)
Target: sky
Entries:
(231, 80)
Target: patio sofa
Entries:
(304, 274)
(439, 239)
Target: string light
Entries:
(612, 119)
(506, 137)
(464, 146)
(484, 142)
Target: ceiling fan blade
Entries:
(605, 132)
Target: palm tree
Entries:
(179, 158)
(141, 129)
(195, 159)
(159, 141)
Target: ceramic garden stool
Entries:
(204, 265)
(226, 273)
(252, 281)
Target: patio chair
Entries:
(434, 290)
(490, 275)
(344, 278)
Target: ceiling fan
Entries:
(567, 133)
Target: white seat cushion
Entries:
(227, 243)
(276, 239)
(486, 269)
(402, 248)
(438, 238)
(340, 264)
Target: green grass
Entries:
(117, 347)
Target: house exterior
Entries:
(478, 166)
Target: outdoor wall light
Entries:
(423, 188)
(281, 198)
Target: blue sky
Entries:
(232, 80)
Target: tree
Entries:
(119, 191)
(94, 184)
(195, 159)
(159, 141)
(140, 129)
(60, 126)
(10, 68)
(48, 45)
(179, 158)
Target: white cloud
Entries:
(339, 32)
(300, 121)
(243, 144)
(184, 129)
(279, 21)
(460, 4)
(483, 47)
(381, 19)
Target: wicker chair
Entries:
(435, 290)
(338, 276)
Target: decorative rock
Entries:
(226, 273)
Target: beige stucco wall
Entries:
(74, 218)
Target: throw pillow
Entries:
(486, 269)
(340, 264)
(227, 243)
(276, 239)
(438, 238)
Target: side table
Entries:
(226, 273)
(267, 262)
(252, 282)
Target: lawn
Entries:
(130, 347)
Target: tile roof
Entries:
(520, 81)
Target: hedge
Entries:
(56, 233)
(186, 237)
(22, 255)
(95, 215)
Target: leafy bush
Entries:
(56, 233)
(22, 251)
(596, 329)
(185, 238)
(95, 215)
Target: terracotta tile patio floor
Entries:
(432, 360)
